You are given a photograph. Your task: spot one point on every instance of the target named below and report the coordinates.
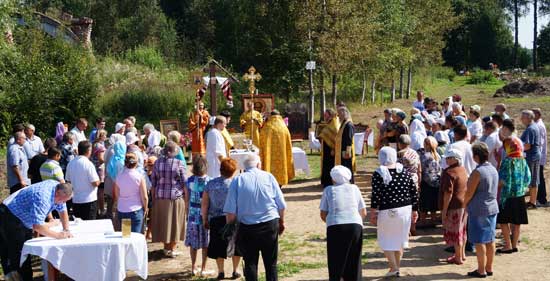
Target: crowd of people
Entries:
(443, 164)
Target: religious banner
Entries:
(263, 103)
(298, 124)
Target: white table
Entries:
(95, 252)
(300, 160)
(358, 141)
(239, 155)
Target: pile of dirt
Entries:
(525, 87)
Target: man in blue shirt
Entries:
(26, 211)
(531, 146)
(257, 203)
(18, 163)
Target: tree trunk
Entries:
(535, 31)
(334, 89)
(516, 34)
(322, 93)
(311, 99)
(373, 91)
(392, 98)
(409, 82)
(364, 89)
(401, 82)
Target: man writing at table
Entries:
(24, 212)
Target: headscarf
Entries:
(117, 138)
(513, 147)
(514, 171)
(59, 132)
(461, 120)
(456, 154)
(441, 136)
(340, 174)
(387, 156)
(116, 163)
(418, 134)
(131, 138)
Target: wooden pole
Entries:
(213, 82)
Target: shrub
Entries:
(148, 56)
(482, 77)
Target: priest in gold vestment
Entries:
(229, 144)
(276, 149)
(251, 122)
(198, 120)
(344, 148)
(327, 132)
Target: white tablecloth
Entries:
(240, 154)
(95, 252)
(300, 160)
(358, 140)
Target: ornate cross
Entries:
(252, 77)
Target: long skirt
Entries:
(219, 247)
(168, 220)
(344, 245)
(328, 164)
(393, 228)
(455, 227)
(428, 197)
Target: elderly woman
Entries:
(418, 132)
(343, 209)
(168, 193)
(152, 138)
(394, 199)
(130, 194)
(451, 200)
(443, 142)
(430, 180)
(213, 200)
(514, 177)
(481, 199)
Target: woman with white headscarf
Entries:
(417, 132)
(394, 199)
(343, 209)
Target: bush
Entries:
(442, 72)
(44, 80)
(482, 77)
(148, 56)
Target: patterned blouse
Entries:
(431, 170)
(217, 193)
(411, 162)
(400, 192)
(168, 178)
(195, 188)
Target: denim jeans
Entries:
(136, 217)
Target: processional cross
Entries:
(252, 77)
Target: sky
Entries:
(526, 28)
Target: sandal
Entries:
(489, 273)
(452, 260)
(502, 251)
(476, 274)
(235, 275)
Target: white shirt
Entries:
(215, 147)
(493, 143)
(81, 173)
(343, 203)
(35, 145)
(468, 157)
(78, 136)
(476, 129)
(543, 141)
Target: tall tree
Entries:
(544, 45)
(518, 8)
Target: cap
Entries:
(475, 108)
(401, 115)
(119, 126)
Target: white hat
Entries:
(441, 136)
(119, 126)
(454, 153)
(340, 174)
(212, 120)
(117, 138)
(131, 138)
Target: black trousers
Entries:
(15, 188)
(13, 235)
(256, 238)
(541, 194)
(344, 246)
(85, 211)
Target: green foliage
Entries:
(44, 80)
(148, 56)
(544, 45)
(482, 77)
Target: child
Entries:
(196, 236)
(51, 170)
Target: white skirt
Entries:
(393, 228)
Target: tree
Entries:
(518, 8)
(544, 45)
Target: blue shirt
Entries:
(255, 197)
(342, 203)
(531, 135)
(93, 134)
(33, 204)
(17, 157)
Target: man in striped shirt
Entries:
(51, 170)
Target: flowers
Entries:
(186, 139)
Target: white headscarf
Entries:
(441, 136)
(340, 174)
(418, 134)
(117, 138)
(456, 154)
(387, 156)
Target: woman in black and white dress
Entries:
(393, 207)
